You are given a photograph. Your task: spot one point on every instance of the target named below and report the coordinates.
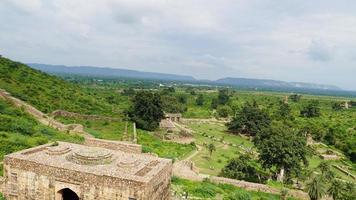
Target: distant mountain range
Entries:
(124, 73)
(107, 72)
(264, 83)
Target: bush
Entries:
(239, 195)
(223, 111)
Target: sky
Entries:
(290, 40)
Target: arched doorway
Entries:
(68, 194)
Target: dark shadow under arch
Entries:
(68, 194)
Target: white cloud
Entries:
(27, 6)
(206, 38)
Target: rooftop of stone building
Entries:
(166, 123)
(94, 160)
(173, 114)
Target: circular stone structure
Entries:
(91, 156)
(57, 150)
(128, 162)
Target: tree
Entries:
(223, 96)
(182, 99)
(199, 101)
(146, 110)
(284, 112)
(326, 172)
(171, 104)
(317, 131)
(312, 109)
(223, 111)
(282, 148)
(295, 97)
(336, 106)
(214, 103)
(168, 90)
(327, 183)
(336, 190)
(316, 188)
(211, 149)
(128, 92)
(244, 168)
(249, 120)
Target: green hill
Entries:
(19, 131)
(48, 93)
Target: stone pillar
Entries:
(134, 133)
(125, 132)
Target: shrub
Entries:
(239, 195)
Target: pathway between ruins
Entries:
(186, 169)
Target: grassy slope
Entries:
(19, 131)
(46, 92)
(212, 165)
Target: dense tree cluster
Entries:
(325, 183)
(312, 109)
(282, 148)
(249, 120)
(245, 168)
(146, 110)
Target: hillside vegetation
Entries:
(20, 131)
(48, 93)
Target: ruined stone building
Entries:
(174, 117)
(97, 170)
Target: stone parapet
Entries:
(114, 145)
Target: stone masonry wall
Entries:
(114, 145)
(34, 181)
(159, 186)
(27, 185)
(64, 113)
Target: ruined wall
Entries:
(40, 116)
(159, 187)
(27, 181)
(114, 145)
(64, 113)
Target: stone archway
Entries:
(68, 194)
